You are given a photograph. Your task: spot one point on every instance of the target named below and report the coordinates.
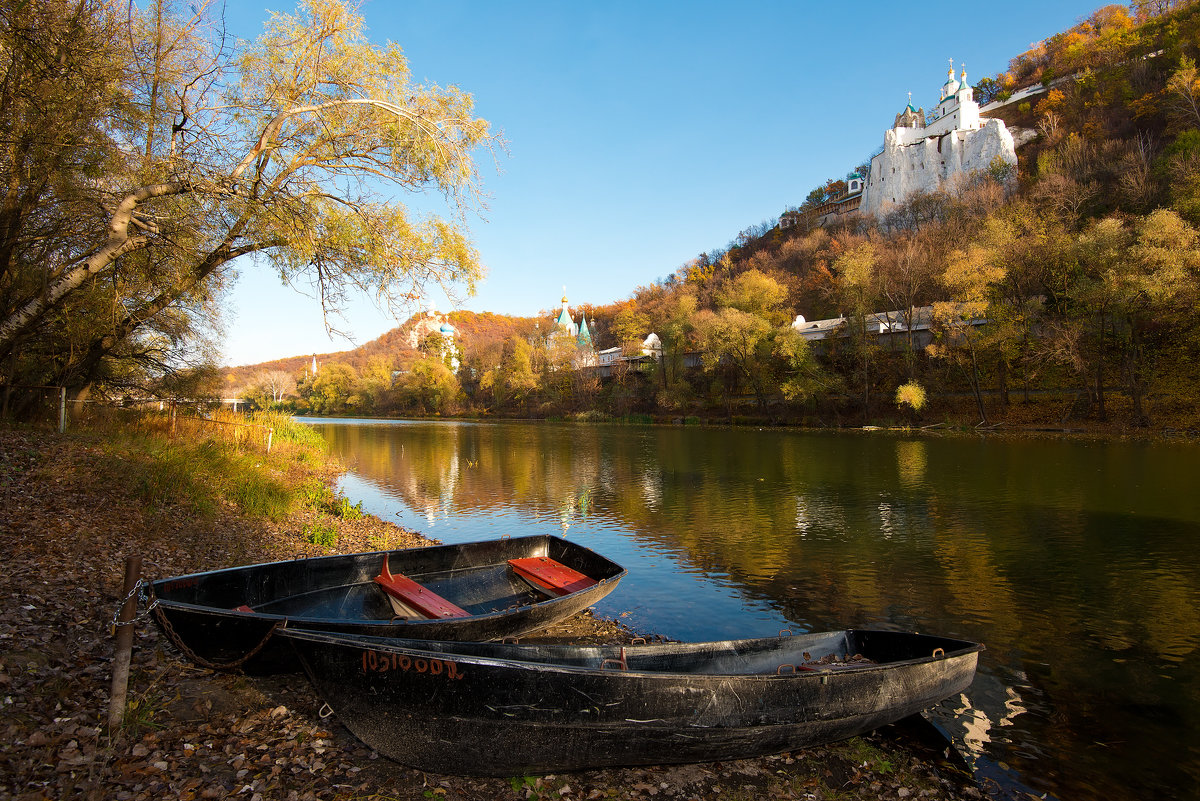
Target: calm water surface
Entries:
(1075, 562)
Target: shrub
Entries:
(911, 395)
(321, 533)
(316, 495)
(590, 416)
(342, 508)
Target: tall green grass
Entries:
(201, 466)
(290, 433)
(315, 494)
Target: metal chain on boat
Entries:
(137, 590)
(174, 637)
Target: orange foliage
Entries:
(1053, 101)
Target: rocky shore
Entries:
(66, 528)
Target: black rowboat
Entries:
(226, 619)
(508, 710)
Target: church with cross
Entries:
(927, 151)
(581, 331)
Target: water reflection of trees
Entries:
(853, 528)
(1075, 563)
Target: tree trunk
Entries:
(119, 243)
(866, 381)
(84, 371)
(1002, 381)
(1137, 391)
(910, 353)
(976, 387)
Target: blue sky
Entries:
(641, 134)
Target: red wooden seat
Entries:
(407, 596)
(550, 576)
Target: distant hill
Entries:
(479, 334)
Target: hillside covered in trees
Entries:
(1086, 266)
(1083, 265)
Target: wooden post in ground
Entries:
(62, 410)
(124, 652)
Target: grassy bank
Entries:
(197, 464)
(264, 466)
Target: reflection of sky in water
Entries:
(1075, 563)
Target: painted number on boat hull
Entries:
(382, 662)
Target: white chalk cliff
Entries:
(923, 153)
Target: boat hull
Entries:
(507, 710)
(200, 612)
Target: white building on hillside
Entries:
(434, 323)
(566, 323)
(924, 151)
(581, 333)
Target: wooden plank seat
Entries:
(550, 576)
(410, 599)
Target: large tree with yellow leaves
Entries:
(299, 147)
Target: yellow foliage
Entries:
(971, 272)
(911, 395)
(756, 293)
(857, 266)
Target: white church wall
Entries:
(924, 166)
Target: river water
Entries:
(1077, 563)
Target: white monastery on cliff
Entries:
(925, 152)
(431, 323)
(434, 323)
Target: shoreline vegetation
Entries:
(1023, 420)
(77, 505)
